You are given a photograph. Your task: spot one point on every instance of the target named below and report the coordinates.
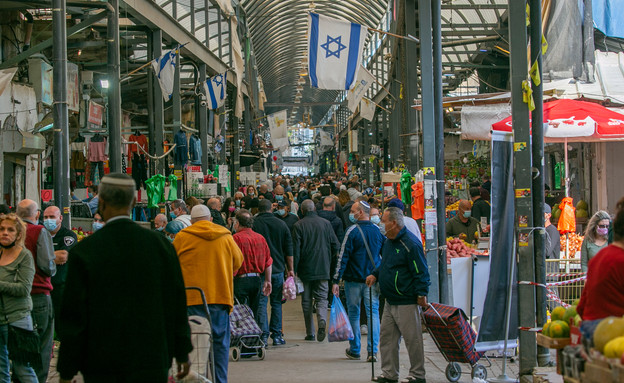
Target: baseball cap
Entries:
(200, 211)
(395, 202)
(547, 209)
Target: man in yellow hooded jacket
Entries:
(209, 257)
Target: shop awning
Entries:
(20, 142)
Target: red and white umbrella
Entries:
(576, 121)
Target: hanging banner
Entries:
(278, 124)
(73, 88)
(96, 114)
(367, 109)
(6, 75)
(354, 96)
(492, 325)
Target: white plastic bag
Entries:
(289, 291)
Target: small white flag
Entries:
(6, 75)
(334, 52)
(367, 109)
(215, 88)
(164, 67)
(364, 81)
(278, 124)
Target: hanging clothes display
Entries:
(140, 139)
(418, 205)
(173, 187)
(155, 189)
(139, 170)
(181, 149)
(97, 156)
(406, 188)
(195, 150)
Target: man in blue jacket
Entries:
(354, 265)
(404, 281)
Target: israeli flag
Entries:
(334, 52)
(215, 88)
(164, 67)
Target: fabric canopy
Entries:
(572, 120)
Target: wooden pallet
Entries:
(554, 343)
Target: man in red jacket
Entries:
(39, 242)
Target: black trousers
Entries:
(247, 290)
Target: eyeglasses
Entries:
(603, 226)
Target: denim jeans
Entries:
(220, 322)
(43, 316)
(24, 373)
(275, 326)
(354, 293)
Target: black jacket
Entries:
(124, 306)
(290, 220)
(217, 218)
(480, 208)
(403, 274)
(336, 222)
(315, 246)
(278, 237)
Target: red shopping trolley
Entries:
(451, 332)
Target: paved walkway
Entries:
(300, 361)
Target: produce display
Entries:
(80, 233)
(456, 248)
(575, 242)
(608, 329)
(561, 318)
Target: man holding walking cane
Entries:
(359, 256)
(404, 281)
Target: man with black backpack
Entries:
(359, 256)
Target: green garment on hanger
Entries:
(155, 190)
(173, 187)
(406, 189)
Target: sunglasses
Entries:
(603, 226)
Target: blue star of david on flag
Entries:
(327, 47)
(164, 67)
(215, 88)
(334, 52)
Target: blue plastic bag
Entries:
(339, 326)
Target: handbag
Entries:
(23, 346)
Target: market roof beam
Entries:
(48, 43)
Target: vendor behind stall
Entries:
(463, 226)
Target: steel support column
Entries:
(247, 118)
(439, 140)
(410, 86)
(234, 152)
(202, 114)
(537, 148)
(113, 118)
(176, 106)
(523, 185)
(61, 117)
(157, 118)
(429, 143)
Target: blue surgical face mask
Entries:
(375, 219)
(281, 212)
(170, 239)
(50, 224)
(352, 218)
(382, 228)
(467, 214)
(160, 228)
(172, 215)
(237, 202)
(97, 226)
(279, 197)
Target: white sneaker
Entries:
(364, 329)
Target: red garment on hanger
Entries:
(418, 201)
(141, 139)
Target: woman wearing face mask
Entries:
(252, 194)
(596, 237)
(98, 222)
(238, 200)
(229, 212)
(17, 271)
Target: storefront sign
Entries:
(46, 195)
(73, 87)
(195, 169)
(523, 193)
(96, 113)
(178, 174)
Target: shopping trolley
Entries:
(245, 334)
(201, 358)
(455, 338)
